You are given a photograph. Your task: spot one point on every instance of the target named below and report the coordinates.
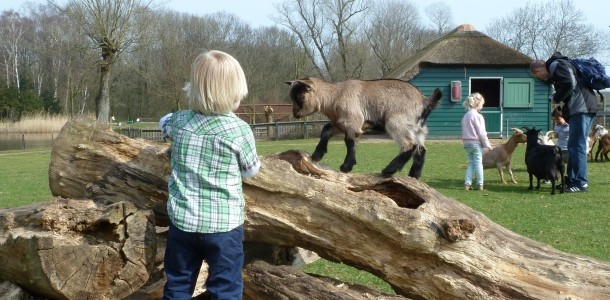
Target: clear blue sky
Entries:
(476, 12)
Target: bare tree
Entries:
(325, 29)
(113, 26)
(440, 15)
(12, 31)
(392, 33)
(539, 29)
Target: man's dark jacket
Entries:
(577, 99)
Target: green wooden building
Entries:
(465, 61)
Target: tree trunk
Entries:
(77, 249)
(102, 100)
(425, 245)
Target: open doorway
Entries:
(490, 88)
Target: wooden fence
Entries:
(262, 131)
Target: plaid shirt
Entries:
(209, 155)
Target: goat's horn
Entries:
(517, 130)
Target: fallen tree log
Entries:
(267, 281)
(89, 160)
(68, 249)
(425, 245)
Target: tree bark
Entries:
(102, 100)
(77, 249)
(425, 245)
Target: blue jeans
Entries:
(577, 170)
(185, 253)
(474, 153)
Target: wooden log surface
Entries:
(89, 160)
(77, 249)
(425, 245)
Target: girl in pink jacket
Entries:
(474, 136)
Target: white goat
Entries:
(601, 134)
(547, 138)
(597, 132)
(501, 155)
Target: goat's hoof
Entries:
(317, 156)
(345, 169)
(387, 173)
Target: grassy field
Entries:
(574, 223)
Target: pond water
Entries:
(17, 141)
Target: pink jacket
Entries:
(473, 129)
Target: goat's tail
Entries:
(431, 103)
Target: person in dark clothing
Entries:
(580, 106)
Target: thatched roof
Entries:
(462, 46)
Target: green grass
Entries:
(574, 223)
(138, 125)
(24, 178)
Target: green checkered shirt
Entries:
(209, 155)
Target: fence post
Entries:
(305, 133)
(277, 130)
(23, 141)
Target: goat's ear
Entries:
(289, 82)
(517, 130)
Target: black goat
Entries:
(543, 161)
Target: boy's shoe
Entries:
(480, 188)
(575, 189)
(467, 187)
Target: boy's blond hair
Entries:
(217, 83)
(473, 100)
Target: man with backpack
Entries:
(580, 104)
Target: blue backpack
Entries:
(591, 73)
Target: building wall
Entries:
(444, 121)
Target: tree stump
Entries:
(425, 245)
(77, 249)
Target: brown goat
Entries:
(501, 155)
(354, 106)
